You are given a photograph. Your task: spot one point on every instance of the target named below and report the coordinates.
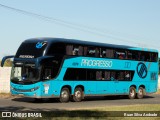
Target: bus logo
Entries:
(142, 70)
(40, 45)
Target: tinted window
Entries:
(110, 53)
(74, 50)
(56, 49)
(31, 50)
(119, 54)
(50, 68)
(75, 74)
(91, 51)
(98, 74)
(154, 57)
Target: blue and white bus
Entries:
(72, 69)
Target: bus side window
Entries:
(129, 55)
(80, 52)
(98, 75)
(75, 50)
(97, 52)
(103, 52)
(109, 53)
(69, 49)
(85, 51)
(47, 73)
(154, 57)
(56, 49)
(142, 56)
(91, 74)
(135, 55)
(107, 75)
(91, 52)
(120, 75)
(119, 54)
(147, 56)
(113, 75)
(127, 75)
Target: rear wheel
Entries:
(78, 95)
(132, 93)
(65, 95)
(140, 93)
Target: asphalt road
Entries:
(29, 104)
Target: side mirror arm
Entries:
(5, 58)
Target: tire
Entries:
(132, 93)
(64, 95)
(78, 95)
(140, 93)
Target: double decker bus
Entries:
(72, 69)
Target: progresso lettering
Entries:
(98, 63)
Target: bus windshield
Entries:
(24, 73)
(31, 49)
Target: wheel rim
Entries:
(78, 94)
(132, 93)
(64, 94)
(140, 92)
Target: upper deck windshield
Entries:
(31, 49)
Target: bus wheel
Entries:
(140, 93)
(132, 93)
(78, 95)
(65, 95)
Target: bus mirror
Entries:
(5, 58)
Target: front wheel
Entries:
(140, 93)
(78, 95)
(132, 93)
(65, 95)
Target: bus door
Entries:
(47, 76)
(50, 68)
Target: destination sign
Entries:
(26, 56)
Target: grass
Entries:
(5, 95)
(99, 113)
(104, 113)
(144, 107)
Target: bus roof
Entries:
(88, 43)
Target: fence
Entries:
(5, 79)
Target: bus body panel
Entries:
(52, 88)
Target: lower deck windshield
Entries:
(28, 73)
(24, 73)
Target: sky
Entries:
(125, 22)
